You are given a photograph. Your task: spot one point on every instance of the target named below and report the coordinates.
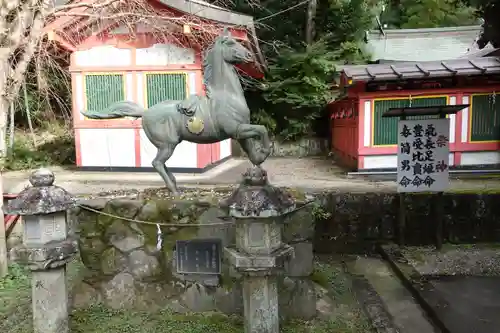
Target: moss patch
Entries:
(99, 319)
(15, 312)
(347, 315)
(493, 190)
(420, 254)
(15, 301)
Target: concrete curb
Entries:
(416, 284)
(16, 181)
(111, 176)
(373, 306)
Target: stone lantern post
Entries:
(259, 210)
(46, 249)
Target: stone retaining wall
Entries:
(127, 265)
(301, 148)
(351, 219)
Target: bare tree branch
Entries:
(24, 25)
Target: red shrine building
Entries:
(146, 61)
(363, 140)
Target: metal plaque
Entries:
(198, 256)
(195, 125)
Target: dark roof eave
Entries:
(210, 12)
(425, 110)
(422, 70)
(213, 13)
(218, 14)
(195, 7)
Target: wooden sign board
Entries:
(423, 155)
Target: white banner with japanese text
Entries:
(423, 155)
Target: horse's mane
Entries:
(208, 60)
(207, 67)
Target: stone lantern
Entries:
(46, 248)
(259, 211)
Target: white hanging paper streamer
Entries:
(159, 240)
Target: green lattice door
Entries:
(165, 86)
(485, 119)
(385, 130)
(102, 90)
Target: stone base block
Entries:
(297, 298)
(260, 296)
(251, 263)
(50, 301)
(301, 263)
(45, 256)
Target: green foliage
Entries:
(15, 314)
(340, 21)
(17, 278)
(270, 16)
(489, 10)
(56, 147)
(15, 311)
(319, 212)
(411, 14)
(299, 82)
(100, 319)
(263, 118)
(302, 79)
(48, 97)
(329, 273)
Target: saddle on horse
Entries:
(191, 105)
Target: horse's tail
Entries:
(117, 110)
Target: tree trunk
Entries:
(10, 150)
(28, 114)
(311, 14)
(4, 106)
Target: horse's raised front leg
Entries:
(245, 135)
(164, 153)
(248, 146)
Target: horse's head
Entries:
(233, 51)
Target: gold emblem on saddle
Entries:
(195, 125)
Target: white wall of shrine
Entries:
(108, 143)
(474, 157)
(389, 161)
(106, 56)
(107, 147)
(164, 55)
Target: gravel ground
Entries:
(306, 173)
(466, 259)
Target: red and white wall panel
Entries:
(122, 142)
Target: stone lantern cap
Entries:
(256, 198)
(43, 197)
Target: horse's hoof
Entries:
(174, 193)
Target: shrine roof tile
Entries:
(421, 70)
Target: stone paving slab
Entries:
(456, 303)
(473, 303)
(389, 296)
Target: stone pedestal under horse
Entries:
(222, 114)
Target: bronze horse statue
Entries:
(222, 114)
